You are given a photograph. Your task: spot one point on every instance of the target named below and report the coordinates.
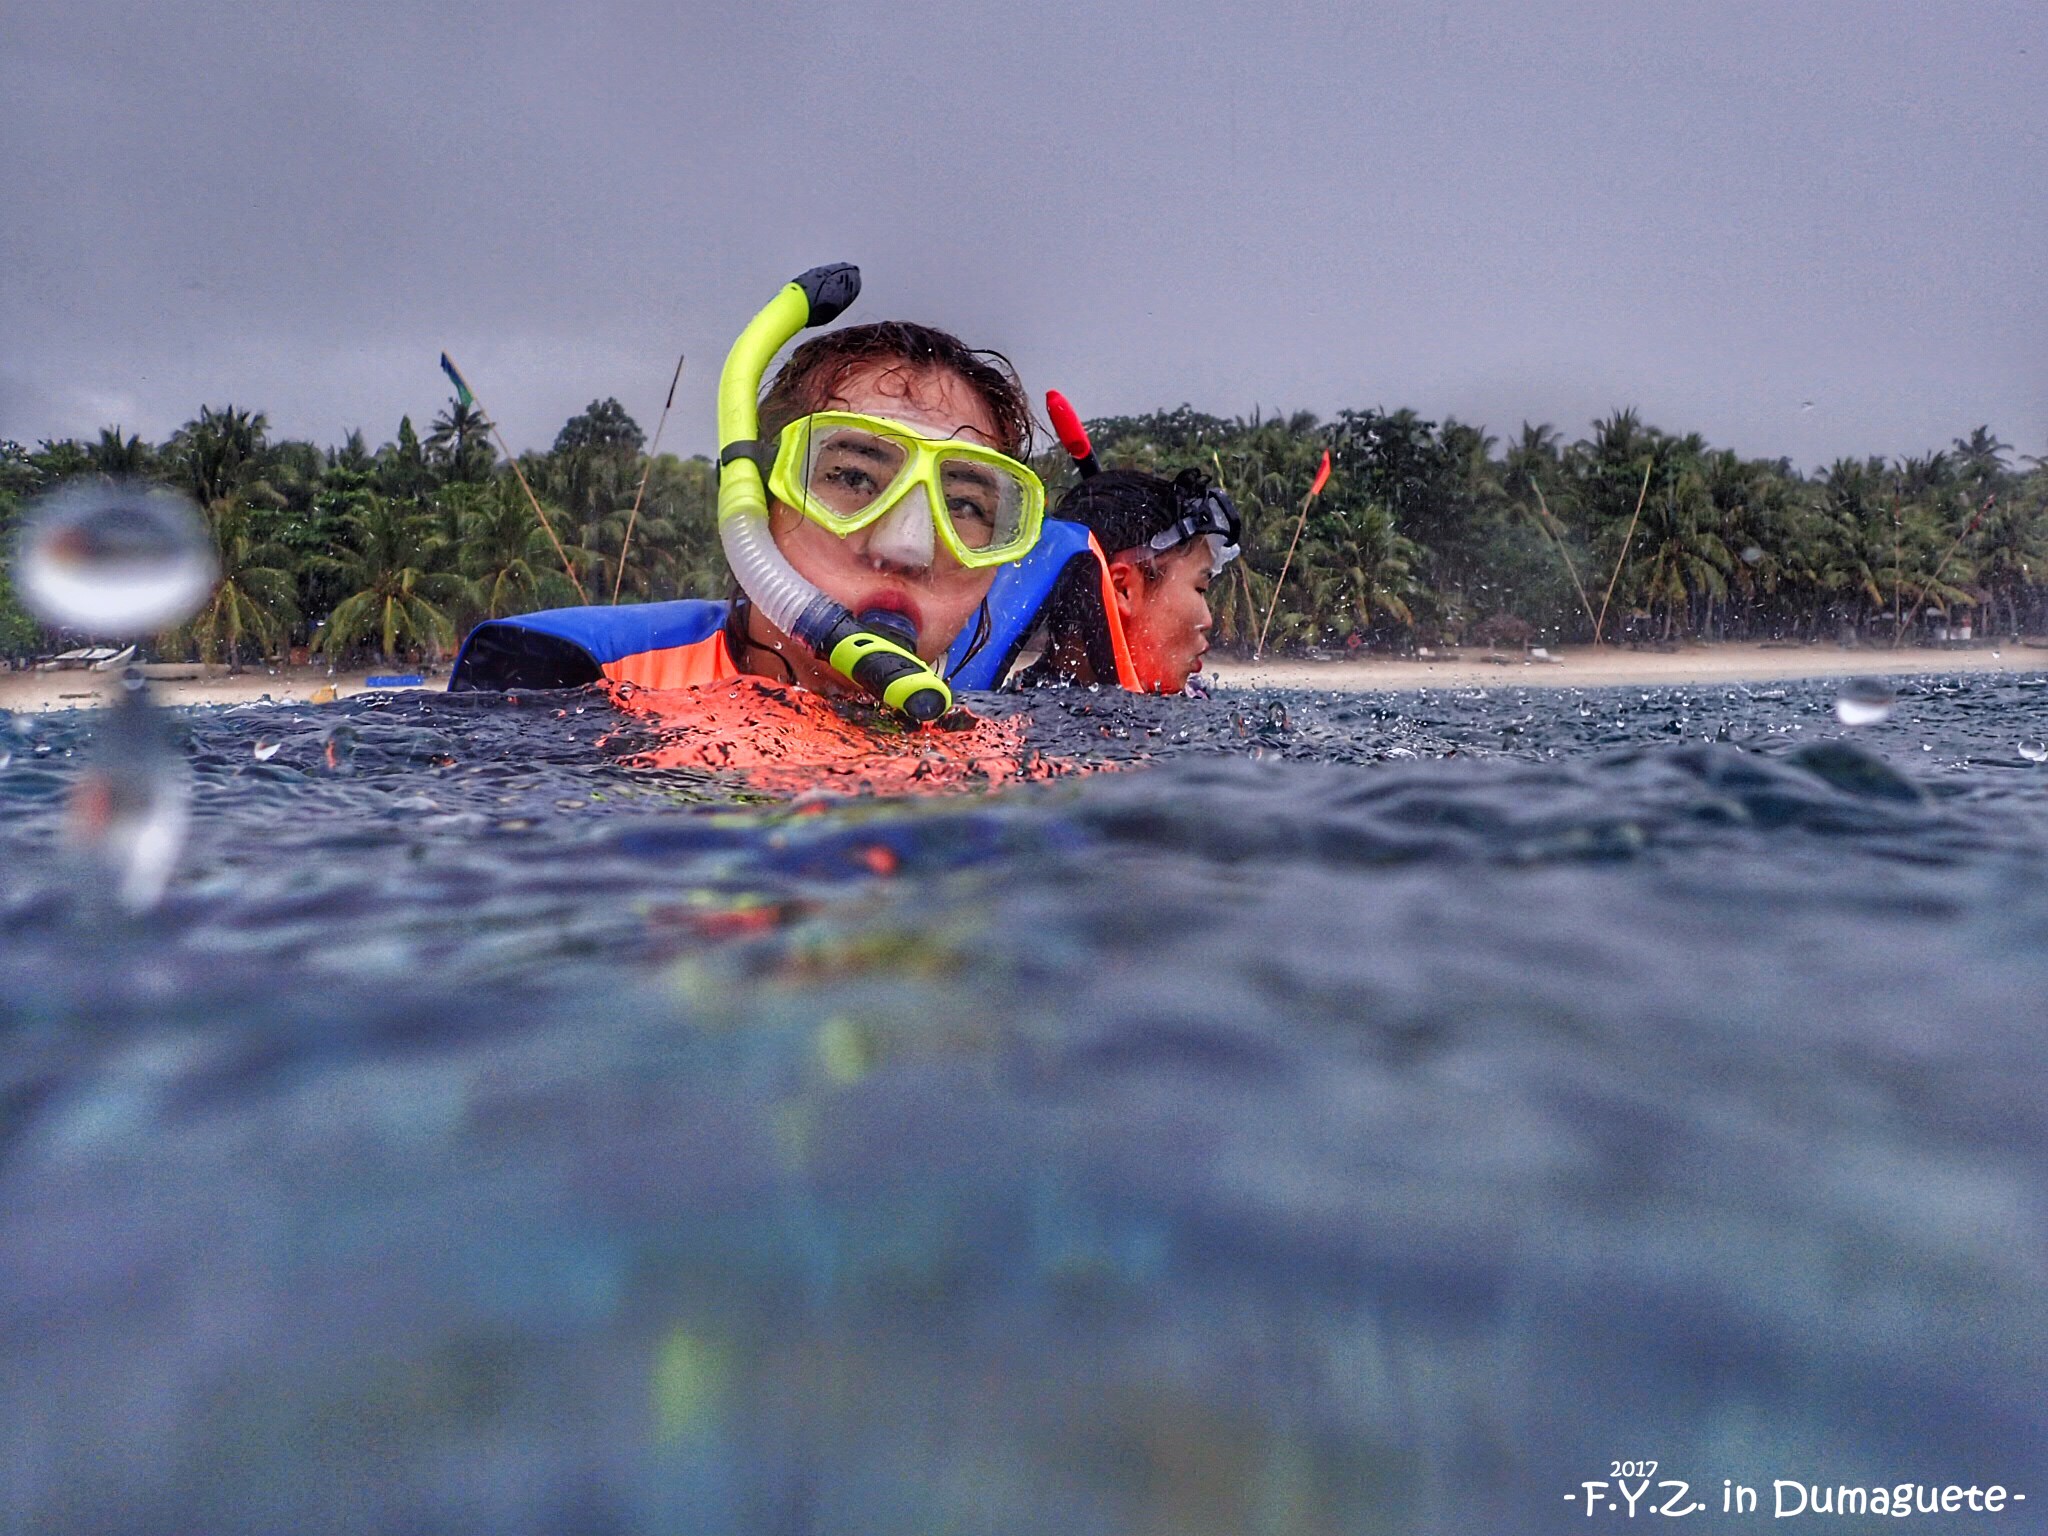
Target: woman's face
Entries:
(897, 562)
(1166, 622)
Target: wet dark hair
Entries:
(1124, 508)
(810, 380)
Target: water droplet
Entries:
(120, 560)
(266, 750)
(1751, 555)
(129, 810)
(2032, 751)
(1865, 702)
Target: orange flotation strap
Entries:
(1119, 644)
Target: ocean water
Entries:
(1353, 1113)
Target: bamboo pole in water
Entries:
(1545, 520)
(567, 569)
(1619, 560)
(1968, 529)
(653, 448)
(1322, 479)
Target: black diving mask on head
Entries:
(1208, 513)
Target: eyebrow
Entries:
(861, 447)
(972, 474)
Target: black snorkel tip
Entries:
(830, 289)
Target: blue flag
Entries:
(461, 389)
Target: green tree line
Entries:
(395, 553)
(1427, 533)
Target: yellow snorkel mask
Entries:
(846, 471)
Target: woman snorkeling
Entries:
(1164, 542)
(1115, 592)
(865, 503)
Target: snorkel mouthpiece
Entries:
(874, 658)
(891, 625)
(886, 668)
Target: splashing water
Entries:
(789, 740)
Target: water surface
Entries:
(1358, 1113)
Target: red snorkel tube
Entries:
(1072, 435)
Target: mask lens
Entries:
(846, 470)
(984, 502)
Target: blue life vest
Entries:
(987, 648)
(657, 645)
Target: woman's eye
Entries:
(960, 507)
(853, 479)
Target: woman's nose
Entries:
(903, 537)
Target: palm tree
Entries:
(352, 457)
(1924, 474)
(115, 455)
(1756, 517)
(1980, 457)
(506, 555)
(1364, 571)
(1534, 461)
(2008, 545)
(1857, 537)
(1266, 470)
(255, 602)
(397, 598)
(1680, 554)
(223, 453)
(460, 441)
(402, 468)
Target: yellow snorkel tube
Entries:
(878, 664)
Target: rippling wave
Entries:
(1373, 1114)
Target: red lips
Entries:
(895, 602)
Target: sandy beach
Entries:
(35, 692)
(1617, 667)
(1569, 667)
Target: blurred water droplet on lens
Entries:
(266, 750)
(2034, 751)
(1864, 703)
(130, 809)
(120, 560)
(1751, 555)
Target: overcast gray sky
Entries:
(1807, 229)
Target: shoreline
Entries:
(34, 693)
(1718, 662)
(1584, 666)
